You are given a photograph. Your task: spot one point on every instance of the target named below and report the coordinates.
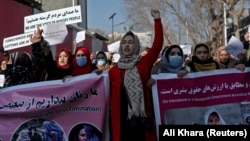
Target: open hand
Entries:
(36, 36)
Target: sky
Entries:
(99, 11)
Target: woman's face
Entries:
(174, 51)
(80, 53)
(82, 135)
(213, 120)
(202, 53)
(63, 59)
(100, 56)
(223, 56)
(3, 65)
(127, 46)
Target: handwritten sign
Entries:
(68, 15)
(17, 41)
(234, 46)
(55, 33)
(114, 47)
(186, 49)
(80, 36)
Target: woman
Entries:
(130, 97)
(82, 63)
(60, 67)
(83, 132)
(202, 59)
(21, 70)
(102, 62)
(56, 68)
(225, 60)
(213, 117)
(173, 61)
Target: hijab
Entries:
(165, 60)
(132, 80)
(85, 69)
(68, 52)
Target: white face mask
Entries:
(101, 62)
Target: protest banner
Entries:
(69, 15)
(191, 100)
(54, 109)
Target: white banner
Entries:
(17, 41)
(68, 15)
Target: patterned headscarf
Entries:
(132, 80)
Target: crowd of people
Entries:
(130, 96)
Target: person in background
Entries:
(226, 60)
(57, 68)
(173, 61)
(202, 59)
(92, 57)
(21, 70)
(3, 69)
(145, 51)
(130, 98)
(82, 64)
(102, 61)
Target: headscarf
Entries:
(21, 70)
(91, 136)
(85, 69)
(165, 60)
(231, 61)
(105, 66)
(132, 80)
(211, 110)
(199, 65)
(68, 52)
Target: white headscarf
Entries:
(211, 110)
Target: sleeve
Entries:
(154, 51)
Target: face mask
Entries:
(81, 61)
(101, 62)
(175, 61)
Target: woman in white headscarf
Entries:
(213, 117)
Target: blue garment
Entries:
(53, 131)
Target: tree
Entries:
(199, 20)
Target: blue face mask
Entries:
(101, 62)
(81, 61)
(175, 61)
